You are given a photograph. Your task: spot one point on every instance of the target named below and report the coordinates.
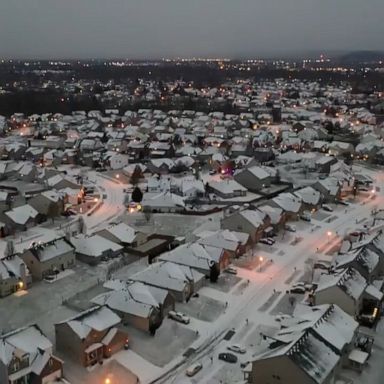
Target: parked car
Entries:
(327, 207)
(179, 316)
(231, 270)
(228, 357)
(266, 241)
(298, 289)
(193, 369)
(306, 216)
(290, 228)
(212, 172)
(237, 349)
(342, 202)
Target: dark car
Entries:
(228, 357)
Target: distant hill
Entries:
(362, 57)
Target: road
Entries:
(113, 202)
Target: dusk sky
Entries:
(159, 28)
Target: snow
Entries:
(94, 245)
(98, 318)
(22, 214)
(358, 356)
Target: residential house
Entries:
(47, 259)
(226, 189)
(26, 357)
(14, 275)
(94, 249)
(48, 203)
(310, 197)
(21, 218)
(180, 281)
(249, 221)
(234, 243)
(344, 288)
(208, 260)
(123, 235)
(90, 336)
(329, 188)
(289, 203)
(308, 350)
(163, 202)
(253, 178)
(140, 305)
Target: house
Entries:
(48, 203)
(14, 275)
(26, 357)
(22, 217)
(276, 215)
(207, 260)
(140, 305)
(253, 178)
(324, 163)
(234, 243)
(45, 259)
(310, 197)
(365, 260)
(163, 202)
(226, 189)
(90, 336)
(249, 221)
(329, 188)
(308, 349)
(192, 188)
(289, 203)
(180, 281)
(123, 235)
(94, 249)
(344, 288)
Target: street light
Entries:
(107, 381)
(329, 234)
(117, 176)
(261, 260)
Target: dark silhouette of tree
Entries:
(136, 176)
(215, 273)
(137, 195)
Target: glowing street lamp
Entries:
(107, 381)
(329, 234)
(117, 176)
(261, 260)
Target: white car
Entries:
(327, 207)
(231, 270)
(266, 241)
(179, 316)
(193, 369)
(290, 228)
(237, 349)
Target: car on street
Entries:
(290, 228)
(327, 207)
(228, 357)
(193, 369)
(231, 270)
(267, 241)
(236, 348)
(305, 216)
(212, 172)
(298, 289)
(342, 202)
(179, 316)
